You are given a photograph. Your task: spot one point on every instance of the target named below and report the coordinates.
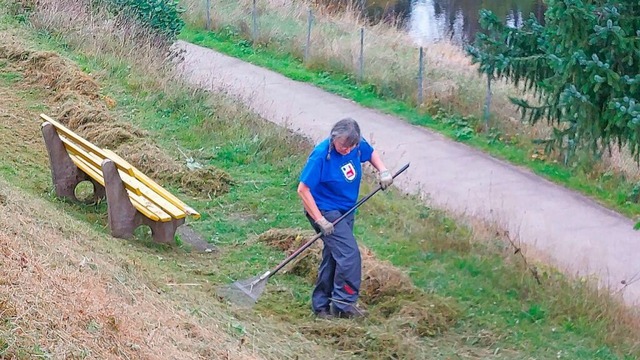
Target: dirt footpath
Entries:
(576, 234)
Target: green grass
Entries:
(502, 309)
(611, 190)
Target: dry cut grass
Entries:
(65, 294)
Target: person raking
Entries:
(329, 186)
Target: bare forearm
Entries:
(308, 202)
(377, 162)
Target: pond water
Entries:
(432, 20)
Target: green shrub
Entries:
(160, 15)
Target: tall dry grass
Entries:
(118, 40)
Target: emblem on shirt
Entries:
(349, 171)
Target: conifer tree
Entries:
(582, 66)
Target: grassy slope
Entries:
(608, 189)
(503, 311)
(68, 290)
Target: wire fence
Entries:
(360, 67)
(263, 28)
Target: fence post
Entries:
(487, 103)
(361, 70)
(208, 14)
(306, 48)
(254, 15)
(420, 76)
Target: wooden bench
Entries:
(132, 197)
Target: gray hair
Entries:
(347, 129)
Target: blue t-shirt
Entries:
(335, 183)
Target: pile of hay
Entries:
(76, 113)
(53, 72)
(381, 279)
(207, 182)
(286, 240)
(367, 342)
(79, 106)
(13, 50)
(289, 240)
(110, 136)
(423, 314)
(389, 295)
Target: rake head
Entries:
(244, 292)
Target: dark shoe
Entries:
(351, 312)
(324, 314)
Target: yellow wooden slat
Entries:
(157, 194)
(148, 209)
(84, 143)
(139, 202)
(94, 160)
(167, 195)
(130, 182)
(158, 200)
(155, 186)
(143, 205)
(90, 170)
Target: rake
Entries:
(247, 292)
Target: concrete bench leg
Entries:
(65, 174)
(123, 216)
(163, 232)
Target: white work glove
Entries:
(385, 179)
(325, 225)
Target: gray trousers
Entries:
(340, 271)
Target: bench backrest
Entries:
(146, 195)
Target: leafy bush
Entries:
(160, 15)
